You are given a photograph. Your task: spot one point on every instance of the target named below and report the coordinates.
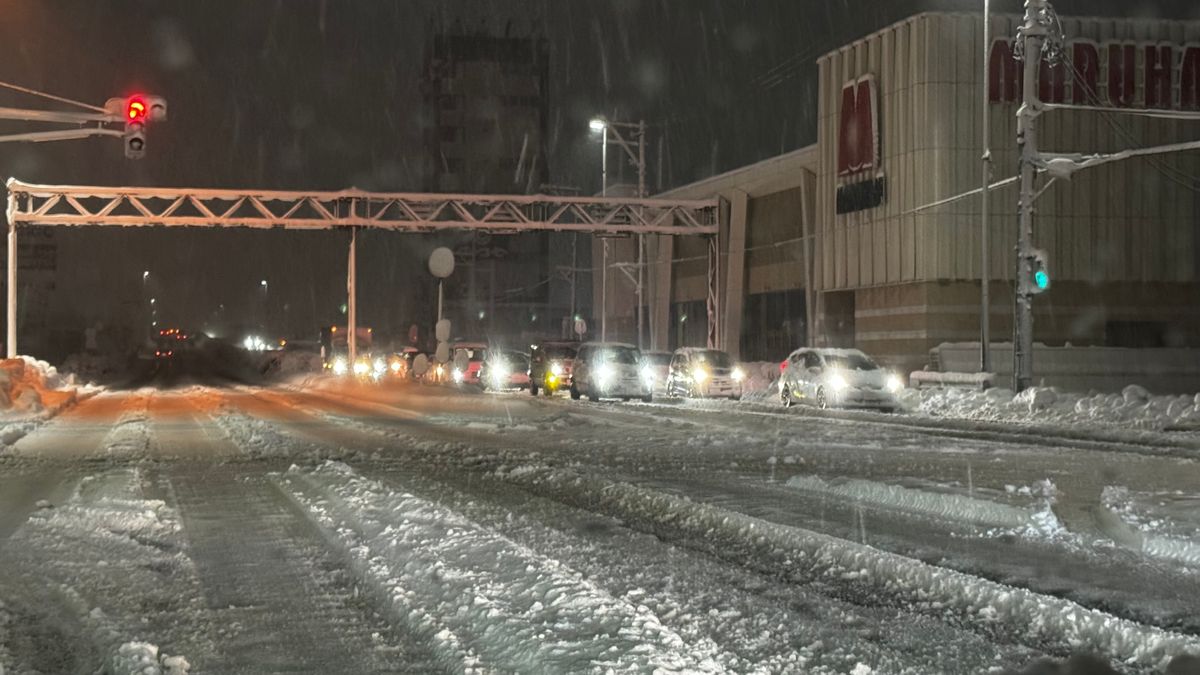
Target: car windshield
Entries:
(851, 362)
(713, 358)
(621, 355)
(657, 359)
(510, 359)
(558, 352)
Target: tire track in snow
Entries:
(282, 599)
(482, 600)
(1095, 629)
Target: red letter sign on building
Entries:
(858, 129)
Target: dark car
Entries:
(550, 365)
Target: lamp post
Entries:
(266, 304)
(145, 307)
(637, 157)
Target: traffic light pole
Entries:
(1033, 34)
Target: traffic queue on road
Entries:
(818, 377)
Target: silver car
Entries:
(610, 370)
(837, 378)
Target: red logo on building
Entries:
(1118, 74)
(858, 127)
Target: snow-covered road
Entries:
(412, 529)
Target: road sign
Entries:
(441, 262)
(442, 354)
(420, 365)
(442, 330)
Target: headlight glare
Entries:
(837, 382)
(457, 375)
(699, 375)
(339, 367)
(738, 374)
(894, 384)
(556, 369)
(648, 375)
(604, 374)
(360, 368)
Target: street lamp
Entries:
(638, 159)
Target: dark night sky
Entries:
(323, 95)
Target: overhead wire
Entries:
(52, 97)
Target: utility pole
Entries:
(985, 273)
(1032, 37)
(641, 239)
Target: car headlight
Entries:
(648, 375)
(556, 369)
(699, 375)
(836, 382)
(457, 375)
(738, 374)
(360, 368)
(395, 366)
(894, 384)
(500, 374)
(340, 367)
(380, 365)
(604, 374)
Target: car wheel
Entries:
(822, 402)
(735, 398)
(574, 393)
(785, 396)
(532, 389)
(648, 398)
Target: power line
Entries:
(52, 97)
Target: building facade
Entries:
(834, 244)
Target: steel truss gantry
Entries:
(77, 205)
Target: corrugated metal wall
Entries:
(1128, 221)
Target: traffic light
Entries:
(1038, 280)
(135, 111)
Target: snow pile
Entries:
(298, 362)
(1134, 407)
(949, 506)
(93, 367)
(483, 601)
(1164, 526)
(142, 658)
(1026, 616)
(30, 387)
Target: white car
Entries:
(610, 370)
(838, 378)
(657, 365)
(700, 373)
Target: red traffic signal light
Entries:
(135, 109)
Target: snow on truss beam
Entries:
(79, 205)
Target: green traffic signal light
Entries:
(1041, 279)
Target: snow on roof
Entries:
(609, 345)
